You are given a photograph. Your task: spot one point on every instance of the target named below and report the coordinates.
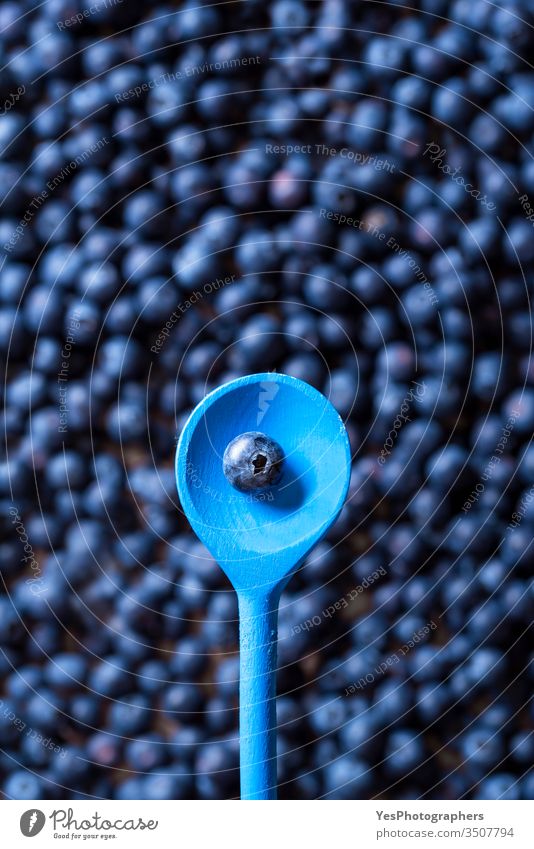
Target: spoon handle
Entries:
(258, 617)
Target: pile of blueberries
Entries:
(341, 191)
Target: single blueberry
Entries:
(253, 462)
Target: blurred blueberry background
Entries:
(339, 190)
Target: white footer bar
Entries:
(281, 825)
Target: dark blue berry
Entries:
(253, 462)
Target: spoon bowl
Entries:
(259, 539)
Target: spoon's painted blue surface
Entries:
(260, 541)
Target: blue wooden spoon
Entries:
(260, 539)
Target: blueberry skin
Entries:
(253, 462)
(500, 785)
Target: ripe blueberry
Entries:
(252, 462)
